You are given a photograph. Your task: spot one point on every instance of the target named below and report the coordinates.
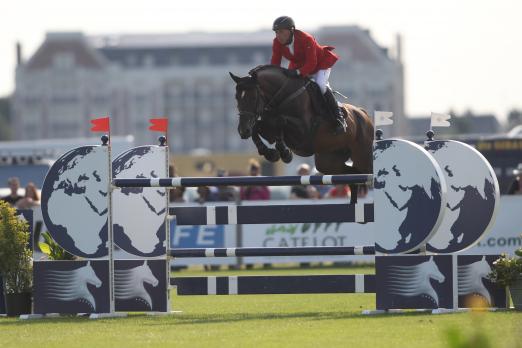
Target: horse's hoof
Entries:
(272, 155)
(287, 156)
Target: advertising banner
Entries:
(212, 236)
(308, 235)
(506, 234)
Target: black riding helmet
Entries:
(283, 22)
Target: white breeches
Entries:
(321, 78)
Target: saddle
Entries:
(318, 102)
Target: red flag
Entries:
(159, 124)
(100, 124)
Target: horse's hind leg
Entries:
(335, 164)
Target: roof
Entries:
(362, 47)
(74, 44)
(191, 48)
(179, 40)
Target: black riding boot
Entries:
(336, 114)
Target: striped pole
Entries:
(257, 285)
(271, 214)
(298, 251)
(245, 181)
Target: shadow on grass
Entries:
(192, 319)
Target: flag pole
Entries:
(162, 125)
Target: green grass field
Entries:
(271, 321)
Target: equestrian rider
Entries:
(309, 59)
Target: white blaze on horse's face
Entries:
(247, 104)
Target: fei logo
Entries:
(196, 236)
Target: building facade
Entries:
(72, 78)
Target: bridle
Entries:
(259, 102)
(272, 105)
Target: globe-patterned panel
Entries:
(75, 201)
(409, 196)
(472, 197)
(139, 213)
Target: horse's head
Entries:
(146, 275)
(249, 104)
(482, 267)
(433, 271)
(88, 274)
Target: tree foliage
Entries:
(15, 256)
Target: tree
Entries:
(514, 118)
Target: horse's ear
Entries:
(234, 77)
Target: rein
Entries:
(270, 105)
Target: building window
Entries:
(131, 60)
(148, 60)
(63, 61)
(232, 59)
(204, 59)
(205, 116)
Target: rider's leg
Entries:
(335, 113)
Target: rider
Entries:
(307, 58)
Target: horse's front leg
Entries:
(271, 155)
(284, 152)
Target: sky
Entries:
(458, 54)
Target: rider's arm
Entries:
(310, 57)
(276, 53)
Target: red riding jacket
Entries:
(309, 57)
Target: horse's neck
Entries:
(139, 278)
(82, 291)
(278, 88)
(423, 286)
(473, 275)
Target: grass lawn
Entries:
(271, 321)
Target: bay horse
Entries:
(287, 111)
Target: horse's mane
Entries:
(265, 67)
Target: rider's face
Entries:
(283, 36)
